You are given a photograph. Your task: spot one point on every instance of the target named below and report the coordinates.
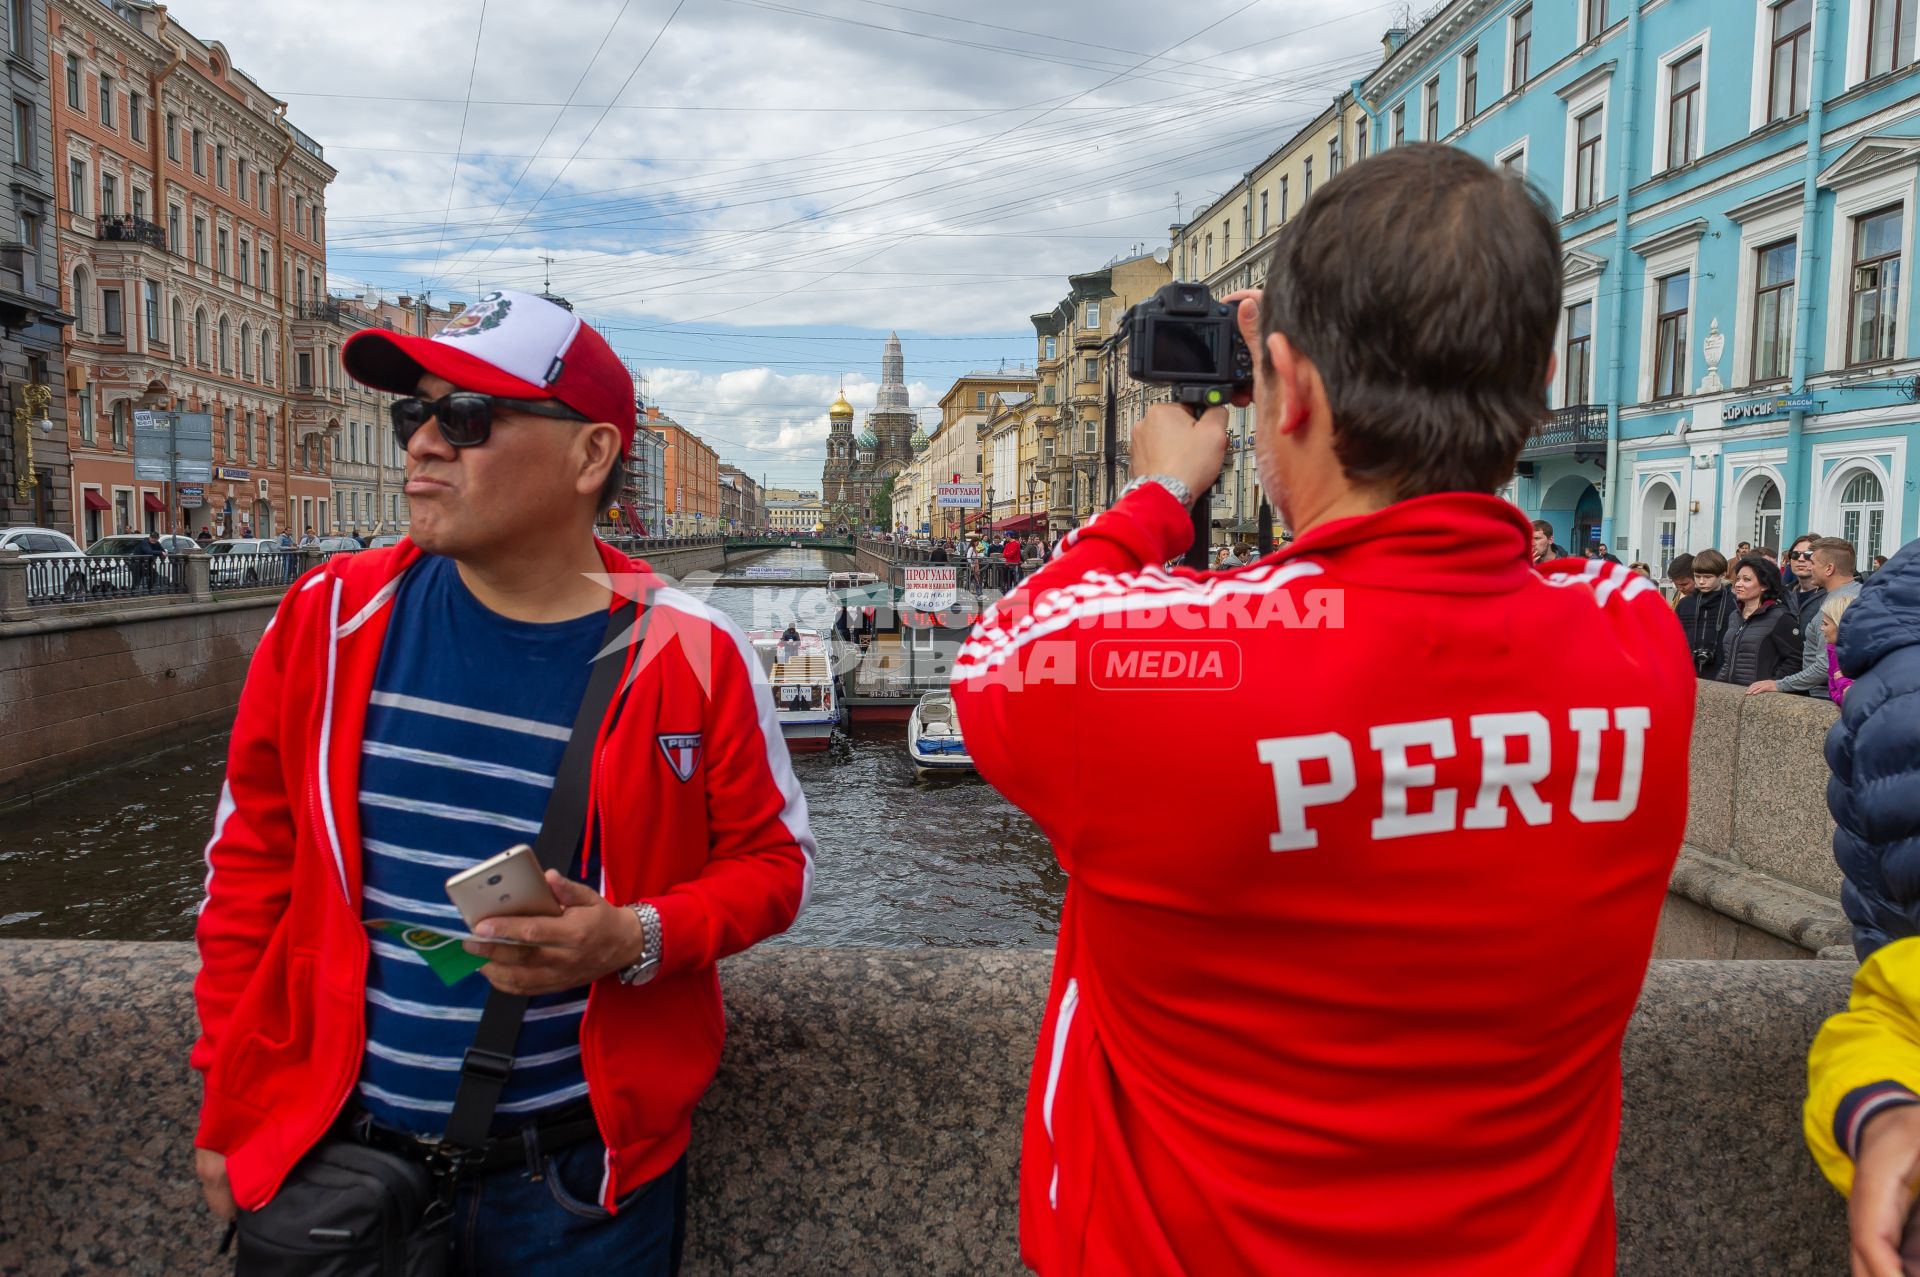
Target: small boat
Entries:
(801, 674)
(933, 736)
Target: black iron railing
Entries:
(1570, 427)
(104, 576)
(133, 230)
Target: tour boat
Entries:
(933, 736)
(801, 674)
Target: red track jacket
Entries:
(726, 857)
(1367, 841)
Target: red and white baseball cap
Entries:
(510, 344)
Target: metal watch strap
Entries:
(649, 962)
(1175, 487)
(489, 1061)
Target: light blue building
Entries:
(1736, 181)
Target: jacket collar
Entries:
(1447, 543)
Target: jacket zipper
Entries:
(1062, 1026)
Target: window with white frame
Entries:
(1576, 355)
(1513, 160)
(1873, 295)
(1889, 28)
(1588, 153)
(1520, 47)
(1360, 140)
(1283, 201)
(1263, 212)
(1680, 129)
(1091, 318)
(1775, 275)
(1863, 513)
(77, 187)
(1431, 132)
(1597, 19)
(1672, 301)
(1470, 84)
(1766, 514)
(1400, 125)
(1306, 179)
(1789, 48)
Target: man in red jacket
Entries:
(404, 718)
(1363, 872)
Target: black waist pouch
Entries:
(348, 1211)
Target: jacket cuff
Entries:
(681, 919)
(1149, 521)
(1859, 1105)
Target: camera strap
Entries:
(489, 1061)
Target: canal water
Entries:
(903, 861)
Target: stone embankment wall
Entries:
(90, 685)
(866, 1119)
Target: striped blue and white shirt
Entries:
(469, 716)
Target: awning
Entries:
(155, 504)
(870, 595)
(1022, 523)
(94, 501)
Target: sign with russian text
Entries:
(957, 496)
(192, 496)
(1759, 409)
(930, 589)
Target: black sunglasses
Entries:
(1801, 554)
(466, 417)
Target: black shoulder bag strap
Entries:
(489, 1061)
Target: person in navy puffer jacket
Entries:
(1874, 752)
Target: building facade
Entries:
(748, 506)
(858, 469)
(368, 472)
(190, 232)
(690, 495)
(801, 512)
(959, 443)
(1736, 190)
(36, 470)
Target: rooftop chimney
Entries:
(1394, 38)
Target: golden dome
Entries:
(840, 407)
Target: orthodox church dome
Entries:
(868, 441)
(840, 407)
(919, 442)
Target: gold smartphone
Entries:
(510, 883)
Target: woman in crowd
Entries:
(1762, 640)
(1862, 1116)
(1705, 613)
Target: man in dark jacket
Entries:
(1874, 753)
(1704, 613)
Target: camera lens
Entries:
(494, 881)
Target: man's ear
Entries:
(600, 444)
(1295, 378)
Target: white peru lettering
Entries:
(1399, 778)
(1498, 773)
(1590, 724)
(1285, 754)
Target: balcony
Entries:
(132, 230)
(1579, 430)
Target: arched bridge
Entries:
(747, 544)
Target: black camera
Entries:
(1181, 337)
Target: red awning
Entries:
(1022, 523)
(155, 504)
(95, 501)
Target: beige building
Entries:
(956, 447)
(368, 465)
(802, 512)
(1009, 439)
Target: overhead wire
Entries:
(479, 31)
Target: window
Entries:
(1090, 369)
(1333, 158)
(73, 84)
(1683, 109)
(260, 181)
(1777, 265)
(20, 34)
(272, 449)
(1874, 308)
(106, 99)
(179, 331)
(226, 431)
(220, 165)
(1090, 441)
(266, 275)
(1586, 160)
(1400, 124)
(299, 287)
(30, 251)
(1596, 18)
(1091, 319)
(1306, 182)
(1470, 83)
(173, 227)
(220, 250)
(979, 399)
(242, 260)
(266, 360)
(152, 293)
(199, 154)
(1209, 253)
(253, 440)
(1863, 514)
(1792, 44)
(240, 179)
(1520, 64)
(1670, 335)
(173, 137)
(226, 346)
(1432, 133)
(1577, 366)
(1283, 201)
(1053, 346)
(139, 203)
(1889, 35)
(136, 117)
(109, 195)
(1514, 162)
(1263, 212)
(1046, 394)
(303, 366)
(112, 321)
(201, 355)
(85, 400)
(1359, 140)
(77, 187)
(200, 241)
(23, 133)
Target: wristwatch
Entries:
(649, 964)
(1181, 492)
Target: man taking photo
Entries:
(404, 718)
(1343, 988)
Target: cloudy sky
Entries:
(747, 195)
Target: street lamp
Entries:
(1032, 501)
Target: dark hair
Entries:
(1709, 563)
(1543, 527)
(1768, 575)
(1425, 288)
(1771, 551)
(610, 490)
(1681, 569)
(1804, 536)
(1846, 560)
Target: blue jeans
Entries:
(511, 1224)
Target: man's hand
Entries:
(211, 1168)
(1884, 1180)
(586, 941)
(1764, 685)
(1167, 440)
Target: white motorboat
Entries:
(933, 736)
(800, 671)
